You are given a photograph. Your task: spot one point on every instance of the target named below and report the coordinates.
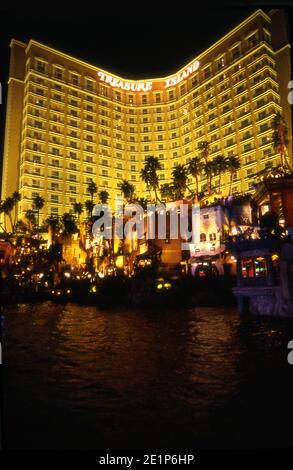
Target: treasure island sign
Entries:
(147, 86)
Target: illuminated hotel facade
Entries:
(69, 122)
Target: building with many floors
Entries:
(69, 122)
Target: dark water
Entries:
(85, 378)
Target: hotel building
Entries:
(69, 122)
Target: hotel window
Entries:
(220, 62)
(158, 97)
(171, 95)
(207, 72)
(72, 189)
(89, 84)
(58, 73)
(267, 36)
(183, 89)
(130, 99)
(36, 159)
(35, 183)
(55, 151)
(247, 147)
(236, 52)
(252, 40)
(74, 79)
(72, 177)
(262, 115)
(194, 82)
(144, 99)
(54, 210)
(203, 237)
(117, 96)
(105, 162)
(54, 198)
(55, 186)
(40, 66)
(212, 237)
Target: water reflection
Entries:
(87, 378)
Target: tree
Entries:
(195, 168)
(204, 147)
(149, 174)
(280, 139)
(167, 192)
(30, 215)
(220, 163)
(89, 205)
(233, 164)
(103, 196)
(38, 204)
(92, 189)
(209, 170)
(53, 222)
(179, 176)
(6, 208)
(143, 202)
(69, 224)
(78, 209)
(127, 190)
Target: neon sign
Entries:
(147, 86)
(128, 86)
(182, 75)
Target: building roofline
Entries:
(17, 43)
(250, 18)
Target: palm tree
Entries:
(179, 176)
(233, 164)
(204, 147)
(103, 196)
(220, 163)
(195, 168)
(144, 174)
(38, 204)
(167, 192)
(149, 174)
(16, 198)
(127, 190)
(92, 189)
(31, 217)
(69, 224)
(143, 202)
(7, 207)
(78, 209)
(209, 170)
(53, 223)
(89, 205)
(280, 139)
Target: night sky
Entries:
(134, 41)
